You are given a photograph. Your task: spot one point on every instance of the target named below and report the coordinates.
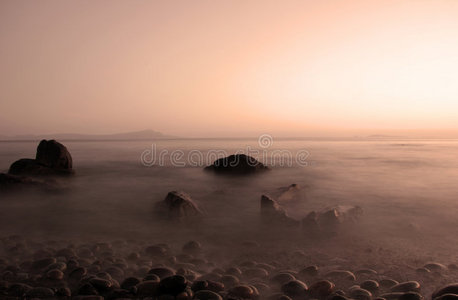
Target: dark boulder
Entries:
(54, 155)
(178, 206)
(237, 164)
(52, 158)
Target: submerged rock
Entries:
(52, 158)
(237, 164)
(331, 219)
(10, 183)
(288, 194)
(178, 206)
(272, 212)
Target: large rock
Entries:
(273, 213)
(54, 155)
(52, 158)
(237, 164)
(178, 206)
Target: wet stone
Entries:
(229, 281)
(294, 288)
(207, 295)
(130, 282)
(341, 275)
(242, 291)
(391, 296)
(279, 297)
(18, 289)
(55, 274)
(408, 286)
(172, 285)
(87, 289)
(40, 292)
(282, 278)
(388, 283)
(435, 267)
(448, 289)
(63, 292)
(43, 263)
(422, 271)
(162, 272)
(309, 271)
(255, 273)
(321, 289)
(192, 247)
(370, 285)
(411, 296)
(152, 277)
(447, 297)
(147, 288)
(360, 294)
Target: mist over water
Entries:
(407, 189)
(399, 184)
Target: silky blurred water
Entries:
(408, 189)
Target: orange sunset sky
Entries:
(229, 68)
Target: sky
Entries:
(229, 68)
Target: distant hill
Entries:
(135, 135)
(383, 136)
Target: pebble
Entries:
(294, 288)
(243, 292)
(410, 296)
(282, 278)
(321, 289)
(370, 285)
(172, 285)
(360, 294)
(55, 274)
(311, 271)
(207, 295)
(122, 271)
(388, 283)
(408, 286)
(162, 272)
(448, 289)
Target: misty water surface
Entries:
(407, 188)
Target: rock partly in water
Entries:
(273, 213)
(178, 206)
(331, 219)
(237, 164)
(289, 193)
(52, 158)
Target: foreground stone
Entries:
(237, 164)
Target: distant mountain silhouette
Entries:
(135, 135)
(384, 136)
